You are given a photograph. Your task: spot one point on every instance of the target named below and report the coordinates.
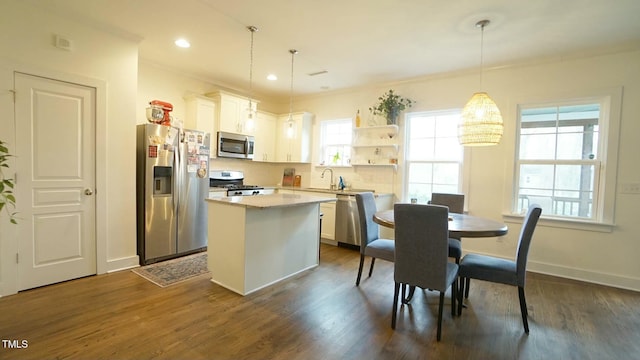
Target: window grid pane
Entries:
(335, 142)
(434, 155)
(557, 159)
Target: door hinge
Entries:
(13, 93)
(17, 258)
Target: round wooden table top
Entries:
(460, 225)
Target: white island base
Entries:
(255, 241)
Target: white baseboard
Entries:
(123, 263)
(329, 242)
(613, 280)
(617, 281)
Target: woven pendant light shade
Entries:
(481, 122)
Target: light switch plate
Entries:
(630, 188)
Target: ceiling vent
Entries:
(63, 43)
(318, 73)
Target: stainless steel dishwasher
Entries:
(347, 220)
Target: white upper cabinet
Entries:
(293, 139)
(201, 115)
(276, 140)
(265, 137)
(232, 112)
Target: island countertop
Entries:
(269, 201)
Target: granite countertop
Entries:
(269, 201)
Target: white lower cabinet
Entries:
(328, 230)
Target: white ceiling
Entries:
(358, 42)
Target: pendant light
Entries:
(249, 123)
(290, 127)
(482, 123)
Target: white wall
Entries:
(96, 58)
(609, 258)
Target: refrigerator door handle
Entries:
(176, 178)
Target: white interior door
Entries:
(55, 149)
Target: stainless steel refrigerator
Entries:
(172, 182)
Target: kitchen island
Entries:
(255, 241)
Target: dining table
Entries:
(460, 225)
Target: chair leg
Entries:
(412, 290)
(440, 316)
(373, 261)
(360, 269)
(454, 294)
(395, 305)
(468, 285)
(523, 309)
(460, 295)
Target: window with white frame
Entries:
(559, 158)
(434, 156)
(335, 142)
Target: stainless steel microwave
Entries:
(237, 146)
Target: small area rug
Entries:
(173, 271)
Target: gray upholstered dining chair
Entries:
(371, 244)
(421, 233)
(509, 272)
(455, 203)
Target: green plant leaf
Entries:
(6, 195)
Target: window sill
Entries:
(563, 223)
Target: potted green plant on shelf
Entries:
(390, 105)
(6, 185)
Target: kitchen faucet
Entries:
(332, 185)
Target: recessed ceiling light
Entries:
(272, 77)
(182, 43)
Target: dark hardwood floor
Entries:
(319, 314)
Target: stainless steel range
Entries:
(233, 181)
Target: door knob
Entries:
(88, 192)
